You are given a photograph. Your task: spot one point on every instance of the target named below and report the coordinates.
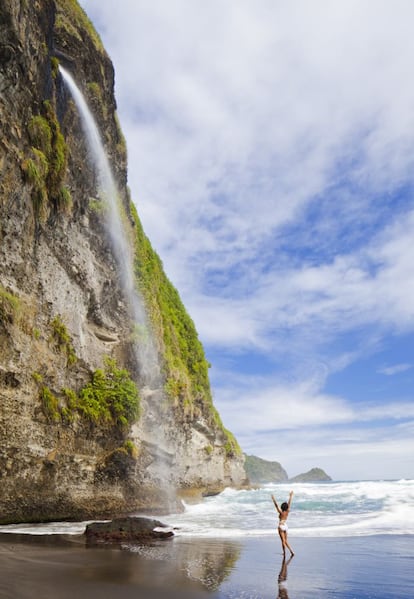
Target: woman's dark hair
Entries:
(284, 507)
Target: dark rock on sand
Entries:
(127, 529)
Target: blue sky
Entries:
(271, 159)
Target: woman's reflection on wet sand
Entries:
(282, 590)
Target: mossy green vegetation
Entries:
(37, 377)
(184, 363)
(139, 334)
(121, 146)
(57, 157)
(41, 134)
(62, 339)
(231, 447)
(96, 98)
(64, 200)
(50, 404)
(94, 90)
(35, 169)
(111, 398)
(97, 206)
(54, 65)
(9, 306)
(45, 167)
(131, 449)
(72, 19)
(208, 449)
(186, 369)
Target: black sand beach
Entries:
(57, 568)
(377, 567)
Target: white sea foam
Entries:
(319, 510)
(49, 528)
(357, 508)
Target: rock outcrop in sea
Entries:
(84, 431)
(314, 475)
(260, 471)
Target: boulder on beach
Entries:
(129, 528)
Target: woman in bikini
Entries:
(283, 512)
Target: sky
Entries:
(271, 160)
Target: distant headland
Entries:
(261, 471)
(314, 475)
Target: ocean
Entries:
(352, 540)
(334, 509)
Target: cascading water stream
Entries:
(108, 193)
(146, 354)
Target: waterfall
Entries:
(108, 193)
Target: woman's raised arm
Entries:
(276, 506)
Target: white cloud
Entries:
(298, 425)
(371, 287)
(396, 369)
(281, 407)
(260, 404)
(346, 452)
(364, 458)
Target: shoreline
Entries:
(59, 566)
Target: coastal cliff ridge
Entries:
(84, 431)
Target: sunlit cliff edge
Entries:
(83, 433)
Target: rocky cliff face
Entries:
(82, 432)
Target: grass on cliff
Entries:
(9, 306)
(45, 167)
(62, 339)
(185, 365)
(185, 368)
(110, 398)
(72, 19)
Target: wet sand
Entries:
(56, 568)
(377, 567)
